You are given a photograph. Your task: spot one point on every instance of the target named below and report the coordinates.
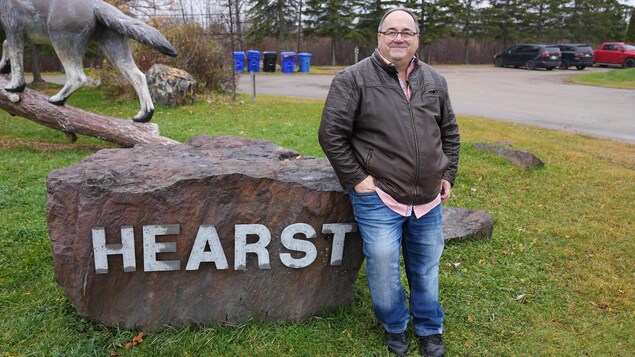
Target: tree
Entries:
(436, 19)
(369, 15)
(630, 33)
(596, 20)
(272, 18)
(502, 20)
(35, 63)
(332, 19)
(542, 21)
(467, 15)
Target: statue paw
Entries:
(57, 100)
(143, 117)
(15, 88)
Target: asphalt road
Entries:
(541, 98)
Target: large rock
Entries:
(221, 182)
(170, 86)
(181, 220)
(521, 158)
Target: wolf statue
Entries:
(69, 25)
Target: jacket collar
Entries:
(389, 67)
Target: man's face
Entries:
(397, 50)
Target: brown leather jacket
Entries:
(369, 128)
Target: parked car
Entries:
(615, 53)
(575, 54)
(530, 56)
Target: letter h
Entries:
(101, 250)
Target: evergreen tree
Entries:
(596, 20)
(502, 21)
(543, 20)
(369, 15)
(332, 19)
(630, 33)
(436, 20)
(272, 18)
(467, 16)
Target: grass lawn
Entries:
(617, 78)
(556, 279)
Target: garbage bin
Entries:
(253, 61)
(239, 61)
(269, 61)
(288, 62)
(304, 61)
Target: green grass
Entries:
(617, 78)
(556, 279)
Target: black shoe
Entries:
(397, 343)
(431, 346)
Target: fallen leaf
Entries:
(138, 339)
(602, 306)
(470, 318)
(519, 297)
(113, 353)
(135, 340)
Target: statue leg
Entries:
(16, 58)
(70, 50)
(117, 49)
(5, 64)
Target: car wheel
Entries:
(630, 62)
(550, 68)
(564, 64)
(498, 62)
(531, 65)
(579, 68)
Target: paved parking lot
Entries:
(541, 98)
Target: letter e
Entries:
(151, 247)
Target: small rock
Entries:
(170, 86)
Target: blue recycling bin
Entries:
(288, 62)
(304, 61)
(239, 61)
(253, 61)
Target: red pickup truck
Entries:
(615, 53)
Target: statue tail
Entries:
(119, 22)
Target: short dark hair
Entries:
(408, 11)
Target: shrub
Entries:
(198, 53)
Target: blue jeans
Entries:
(421, 240)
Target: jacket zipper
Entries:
(414, 130)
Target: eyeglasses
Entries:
(406, 35)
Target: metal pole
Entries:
(253, 86)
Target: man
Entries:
(389, 131)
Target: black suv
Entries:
(575, 54)
(529, 56)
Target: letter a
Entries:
(207, 235)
